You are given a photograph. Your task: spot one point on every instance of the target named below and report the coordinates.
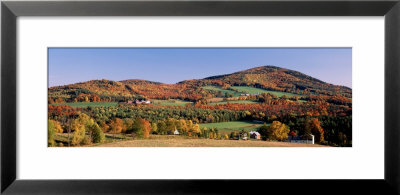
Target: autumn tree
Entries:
(146, 128)
(263, 130)
(104, 126)
(278, 131)
(128, 125)
(154, 128)
(96, 134)
(141, 128)
(79, 127)
(116, 126)
(162, 128)
(293, 133)
(195, 128)
(51, 131)
(170, 125)
(57, 126)
(313, 125)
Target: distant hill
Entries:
(264, 77)
(276, 78)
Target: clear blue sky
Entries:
(171, 65)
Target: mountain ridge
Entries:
(265, 77)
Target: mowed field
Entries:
(233, 102)
(250, 90)
(170, 102)
(253, 90)
(183, 141)
(213, 88)
(227, 127)
(88, 104)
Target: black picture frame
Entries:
(11, 10)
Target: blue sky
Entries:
(171, 65)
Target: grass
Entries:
(88, 104)
(184, 141)
(253, 90)
(250, 90)
(227, 127)
(233, 102)
(110, 138)
(171, 102)
(213, 88)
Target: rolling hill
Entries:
(276, 79)
(270, 78)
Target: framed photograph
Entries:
(198, 97)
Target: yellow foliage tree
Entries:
(50, 134)
(196, 128)
(78, 125)
(116, 126)
(278, 131)
(57, 126)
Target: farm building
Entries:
(244, 137)
(141, 102)
(301, 139)
(255, 135)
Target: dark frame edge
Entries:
(8, 102)
(392, 97)
(9, 184)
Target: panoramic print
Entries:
(199, 97)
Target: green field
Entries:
(233, 102)
(250, 90)
(213, 88)
(88, 104)
(253, 90)
(170, 102)
(227, 127)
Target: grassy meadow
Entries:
(171, 102)
(230, 92)
(88, 104)
(249, 90)
(233, 102)
(253, 90)
(227, 127)
(184, 141)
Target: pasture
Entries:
(184, 141)
(88, 104)
(213, 88)
(227, 127)
(253, 90)
(249, 90)
(233, 102)
(170, 102)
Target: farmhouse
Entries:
(255, 135)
